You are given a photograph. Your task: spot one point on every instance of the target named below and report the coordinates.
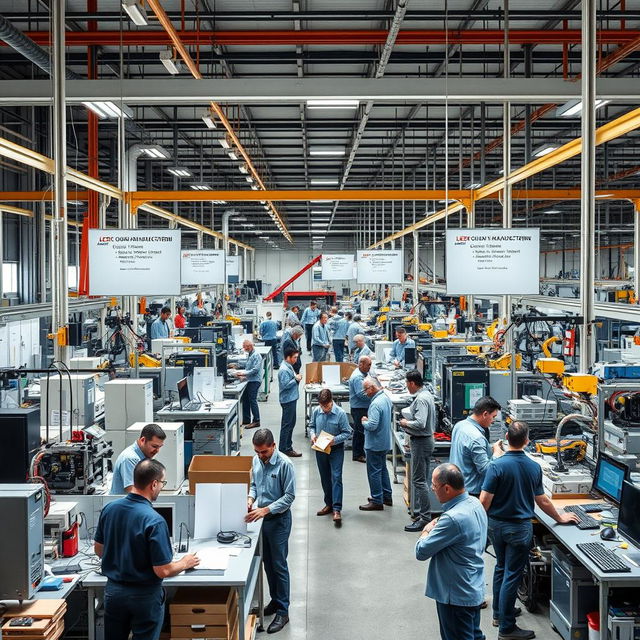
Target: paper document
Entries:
(331, 374)
(322, 442)
(213, 559)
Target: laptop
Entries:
(186, 404)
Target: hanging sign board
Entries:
(337, 266)
(133, 262)
(233, 269)
(493, 261)
(202, 266)
(380, 267)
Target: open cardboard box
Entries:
(219, 469)
(313, 371)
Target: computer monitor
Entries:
(409, 356)
(629, 516)
(183, 392)
(199, 321)
(168, 512)
(609, 477)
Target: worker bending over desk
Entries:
(132, 539)
(511, 489)
(396, 355)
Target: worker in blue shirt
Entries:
(132, 539)
(359, 403)
(320, 339)
(512, 487)
(340, 328)
(454, 543)
(470, 448)
(377, 442)
(160, 327)
(396, 355)
(309, 318)
(291, 340)
(268, 332)
(198, 307)
(355, 327)
(361, 348)
(253, 375)
(149, 443)
(331, 418)
(291, 317)
(271, 494)
(288, 381)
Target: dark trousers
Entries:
(357, 438)
(287, 424)
(250, 403)
(330, 468)
(136, 610)
(338, 350)
(421, 451)
(319, 354)
(511, 541)
(459, 623)
(275, 547)
(378, 475)
(308, 328)
(275, 351)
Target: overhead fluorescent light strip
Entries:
(136, 12)
(171, 64)
(332, 104)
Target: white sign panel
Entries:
(132, 262)
(202, 266)
(493, 261)
(233, 266)
(380, 267)
(337, 266)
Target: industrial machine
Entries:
(464, 387)
(61, 530)
(127, 400)
(22, 508)
(68, 399)
(20, 433)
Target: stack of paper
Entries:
(322, 442)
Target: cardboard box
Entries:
(204, 601)
(223, 469)
(313, 371)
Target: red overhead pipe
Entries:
(282, 287)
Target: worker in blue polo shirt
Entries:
(268, 332)
(340, 328)
(396, 355)
(253, 375)
(320, 339)
(160, 327)
(309, 318)
(132, 539)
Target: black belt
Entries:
(420, 437)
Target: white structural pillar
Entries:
(588, 180)
(416, 267)
(59, 260)
(636, 250)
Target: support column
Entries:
(42, 249)
(59, 260)
(588, 180)
(636, 250)
(416, 267)
(471, 223)
(244, 265)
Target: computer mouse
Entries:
(608, 533)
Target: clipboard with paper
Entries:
(322, 442)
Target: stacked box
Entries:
(198, 612)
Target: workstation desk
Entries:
(267, 368)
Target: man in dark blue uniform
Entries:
(133, 541)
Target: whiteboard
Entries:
(337, 266)
(202, 266)
(131, 262)
(233, 266)
(380, 267)
(493, 261)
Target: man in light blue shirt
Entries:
(289, 392)
(470, 448)
(331, 418)
(151, 439)
(359, 403)
(253, 375)
(354, 329)
(396, 355)
(271, 494)
(340, 328)
(159, 327)
(454, 543)
(377, 442)
(361, 347)
(320, 339)
(268, 332)
(309, 318)
(291, 317)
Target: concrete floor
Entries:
(362, 581)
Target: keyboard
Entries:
(586, 521)
(605, 559)
(595, 508)
(192, 406)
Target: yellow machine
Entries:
(547, 343)
(553, 366)
(493, 328)
(233, 319)
(412, 320)
(573, 450)
(144, 360)
(425, 326)
(580, 383)
(439, 333)
(503, 362)
(476, 351)
(184, 339)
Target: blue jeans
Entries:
(275, 548)
(319, 353)
(287, 423)
(250, 403)
(139, 610)
(275, 351)
(338, 350)
(330, 468)
(357, 437)
(459, 623)
(511, 541)
(378, 475)
(308, 329)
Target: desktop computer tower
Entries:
(22, 548)
(127, 400)
(76, 392)
(171, 454)
(20, 437)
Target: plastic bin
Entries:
(593, 622)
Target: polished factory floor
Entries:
(362, 581)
